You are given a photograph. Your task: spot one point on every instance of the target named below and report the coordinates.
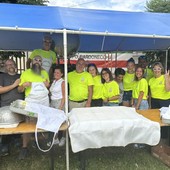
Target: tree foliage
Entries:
(29, 2)
(158, 6)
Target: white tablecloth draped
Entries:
(98, 127)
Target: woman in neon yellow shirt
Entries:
(111, 92)
(160, 95)
(140, 90)
(128, 82)
(97, 87)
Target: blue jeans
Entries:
(143, 105)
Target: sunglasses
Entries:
(38, 60)
(156, 69)
(48, 42)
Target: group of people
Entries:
(139, 86)
(33, 85)
(87, 88)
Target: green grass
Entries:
(110, 158)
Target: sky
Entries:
(119, 5)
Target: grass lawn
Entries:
(110, 158)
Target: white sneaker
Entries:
(56, 142)
(62, 141)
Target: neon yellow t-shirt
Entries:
(29, 76)
(78, 85)
(139, 86)
(111, 89)
(148, 74)
(97, 88)
(48, 58)
(157, 87)
(128, 81)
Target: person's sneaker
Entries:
(34, 145)
(62, 141)
(141, 146)
(4, 150)
(138, 146)
(23, 153)
(56, 142)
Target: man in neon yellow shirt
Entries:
(80, 86)
(142, 62)
(48, 56)
(34, 83)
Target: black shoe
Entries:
(34, 145)
(4, 150)
(23, 153)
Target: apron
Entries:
(38, 94)
(47, 63)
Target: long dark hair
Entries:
(93, 65)
(143, 72)
(110, 75)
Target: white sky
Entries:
(119, 5)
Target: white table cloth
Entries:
(98, 127)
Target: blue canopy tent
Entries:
(22, 28)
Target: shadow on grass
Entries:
(110, 158)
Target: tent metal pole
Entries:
(66, 93)
(166, 60)
(104, 33)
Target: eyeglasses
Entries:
(157, 69)
(48, 42)
(38, 60)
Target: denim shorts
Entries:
(143, 105)
(127, 96)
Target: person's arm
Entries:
(28, 63)
(6, 89)
(140, 97)
(113, 98)
(90, 94)
(167, 81)
(47, 83)
(63, 96)
(23, 86)
(132, 102)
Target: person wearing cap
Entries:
(80, 86)
(48, 56)
(34, 82)
(142, 62)
(128, 82)
(97, 100)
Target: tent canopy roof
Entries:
(23, 26)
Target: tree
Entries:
(29, 2)
(158, 6)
